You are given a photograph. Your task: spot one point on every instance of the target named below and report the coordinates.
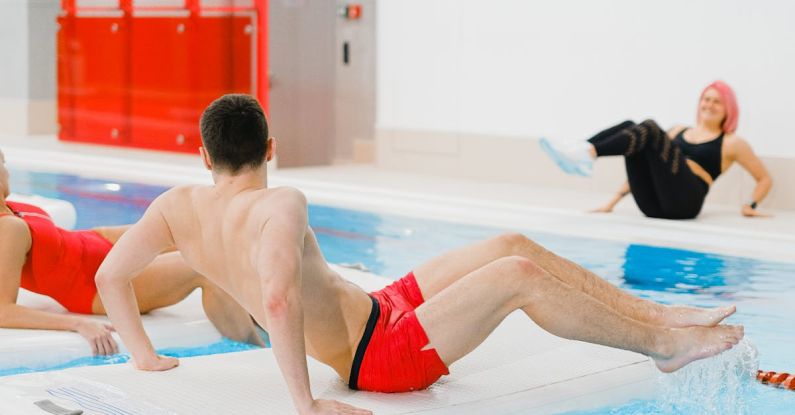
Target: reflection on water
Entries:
(97, 202)
(668, 270)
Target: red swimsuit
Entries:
(61, 264)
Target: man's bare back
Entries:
(221, 236)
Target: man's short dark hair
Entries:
(235, 133)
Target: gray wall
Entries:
(14, 45)
(354, 103)
(28, 70)
(301, 65)
(321, 110)
(42, 15)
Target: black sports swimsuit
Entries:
(708, 155)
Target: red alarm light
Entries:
(353, 11)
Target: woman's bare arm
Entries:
(623, 191)
(14, 245)
(745, 156)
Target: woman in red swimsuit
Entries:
(40, 257)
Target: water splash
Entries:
(719, 385)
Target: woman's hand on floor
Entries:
(99, 335)
(749, 212)
(608, 208)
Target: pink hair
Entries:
(729, 100)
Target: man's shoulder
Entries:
(177, 194)
(285, 197)
(280, 201)
(174, 203)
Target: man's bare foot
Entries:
(694, 343)
(681, 316)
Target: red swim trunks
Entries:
(390, 356)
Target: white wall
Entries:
(566, 68)
(13, 65)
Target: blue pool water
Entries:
(391, 245)
(223, 346)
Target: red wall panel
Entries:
(159, 90)
(142, 80)
(92, 74)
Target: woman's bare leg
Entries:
(111, 233)
(168, 280)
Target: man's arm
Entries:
(136, 249)
(279, 268)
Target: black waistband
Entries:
(368, 333)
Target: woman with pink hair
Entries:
(669, 173)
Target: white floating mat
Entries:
(519, 369)
(62, 212)
(181, 325)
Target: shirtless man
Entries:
(254, 242)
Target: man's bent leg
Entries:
(440, 272)
(460, 317)
(636, 308)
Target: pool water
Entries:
(392, 245)
(223, 346)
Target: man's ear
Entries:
(271, 149)
(208, 164)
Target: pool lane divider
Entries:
(781, 380)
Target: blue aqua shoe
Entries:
(572, 158)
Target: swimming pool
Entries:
(391, 245)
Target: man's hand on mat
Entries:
(753, 213)
(157, 364)
(324, 406)
(99, 336)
